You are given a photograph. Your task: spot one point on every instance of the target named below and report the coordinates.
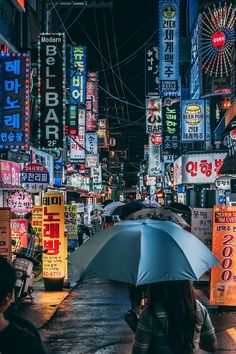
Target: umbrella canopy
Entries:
(108, 209)
(99, 207)
(179, 208)
(126, 209)
(106, 202)
(142, 252)
(159, 213)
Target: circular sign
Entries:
(35, 178)
(218, 39)
(20, 203)
(169, 11)
(193, 114)
(233, 134)
(156, 139)
(223, 182)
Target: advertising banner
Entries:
(223, 276)
(37, 223)
(190, 169)
(91, 160)
(91, 102)
(153, 115)
(5, 233)
(19, 228)
(53, 235)
(195, 74)
(171, 124)
(91, 143)
(169, 47)
(9, 174)
(201, 225)
(152, 84)
(193, 120)
(71, 223)
(77, 144)
(102, 133)
(77, 74)
(14, 93)
(51, 89)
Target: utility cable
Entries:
(58, 15)
(119, 99)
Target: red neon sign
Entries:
(218, 39)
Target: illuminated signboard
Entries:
(169, 47)
(195, 74)
(171, 124)
(152, 84)
(20, 4)
(217, 45)
(77, 74)
(14, 94)
(153, 115)
(91, 102)
(102, 133)
(193, 120)
(72, 112)
(51, 90)
(91, 143)
(53, 236)
(77, 144)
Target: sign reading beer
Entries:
(193, 120)
(53, 236)
(51, 89)
(77, 74)
(223, 276)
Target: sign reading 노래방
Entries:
(53, 236)
(14, 92)
(51, 89)
(223, 276)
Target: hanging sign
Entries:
(152, 84)
(91, 102)
(171, 124)
(193, 120)
(223, 276)
(153, 115)
(91, 160)
(35, 178)
(51, 89)
(91, 143)
(37, 222)
(77, 74)
(223, 182)
(14, 92)
(71, 222)
(20, 203)
(102, 133)
(9, 174)
(53, 236)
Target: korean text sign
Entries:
(169, 46)
(71, 223)
(14, 95)
(9, 174)
(153, 115)
(91, 102)
(53, 236)
(193, 120)
(5, 233)
(77, 144)
(37, 222)
(51, 89)
(223, 276)
(77, 74)
(152, 70)
(199, 168)
(171, 124)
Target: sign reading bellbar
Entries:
(51, 89)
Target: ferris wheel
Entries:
(217, 37)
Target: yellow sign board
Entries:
(223, 276)
(37, 223)
(71, 223)
(53, 236)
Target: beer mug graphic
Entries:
(220, 290)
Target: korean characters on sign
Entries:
(53, 236)
(14, 91)
(153, 115)
(171, 124)
(193, 120)
(71, 223)
(77, 74)
(91, 102)
(169, 46)
(152, 83)
(5, 233)
(51, 90)
(223, 276)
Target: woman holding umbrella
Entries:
(174, 322)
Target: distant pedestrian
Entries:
(96, 222)
(17, 336)
(174, 322)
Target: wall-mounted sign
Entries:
(77, 144)
(169, 47)
(102, 133)
(71, 127)
(153, 115)
(45, 159)
(91, 143)
(91, 160)
(152, 83)
(71, 223)
(51, 89)
(37, 223)
(195, 81)
(9, 174)
(91, 102)
(156, 139)
(223, 182)
(20, 203)
(193, 120)
(34, 178)
(155, 166)
(171, 124)
(77, 74)
(53, 236)
(14, 92)
(223, 286)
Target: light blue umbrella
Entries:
(142, 252)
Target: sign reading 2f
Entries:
(51, 90)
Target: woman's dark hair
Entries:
(7, 278)
(178, 299)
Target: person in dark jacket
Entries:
(174, 322)
(17, 336)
